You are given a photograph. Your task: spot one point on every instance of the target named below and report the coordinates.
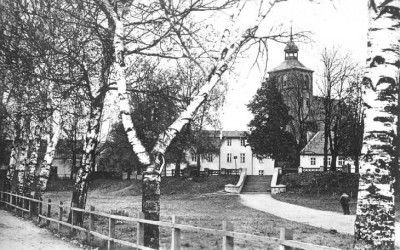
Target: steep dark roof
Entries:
(233, 133)
(290, 64)
(315, 145)
(230, 134)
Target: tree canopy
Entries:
(268, 136)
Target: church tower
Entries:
(294, 82)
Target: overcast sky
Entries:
(336, 23)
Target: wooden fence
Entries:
(27, 205)
(206, 172)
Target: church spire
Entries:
(291, 34)
(291, 49)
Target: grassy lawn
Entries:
(198, 209)
(325, 202)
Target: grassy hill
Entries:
(169, 185)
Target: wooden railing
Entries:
(27, 205)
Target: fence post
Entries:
(14, 202)
(227, 241)
(48, 211)
(286, 234)
(140, 230)
(73, 219)
(40, 210)
(9, 200)
(111, 230)
(30, 209)
(1, 197)
(91, 224)
(176, 234)
(23, 204)
(60, 214)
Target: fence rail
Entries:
(28, 205)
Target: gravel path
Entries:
(317, 218)
(18, 234)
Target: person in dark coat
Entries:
(344, 201)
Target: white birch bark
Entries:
(33, 160)
(23, 158)
(374, 226)
(12, 164)
(154, 162)
(52, 138)
(79, 194)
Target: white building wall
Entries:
(63, 167)
(305, 161)
(235, 149)
(252, 164)
(265, 165)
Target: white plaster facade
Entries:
(234, 153)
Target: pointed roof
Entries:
(315, 145)
(291, 57)
(290, 64)
(291, 47)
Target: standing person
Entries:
(344, 200)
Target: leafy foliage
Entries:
(268, 135)
(321, 181)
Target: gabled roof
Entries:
(233, 133)
(226, 134)
(290, 64)
(315, 145)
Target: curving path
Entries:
(23, 235)
(317, 218)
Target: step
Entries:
(257, 184)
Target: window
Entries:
(209, 157)
(242, 157)
(261, 161)
(194, 157)
(260, 172)
(312, 160)
(242, 142)
(341, 161)
(284, 80)
(308, 85)
(229, 142)
(307, 103)
(229, 157)
(329, 161)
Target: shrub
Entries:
(329, 182)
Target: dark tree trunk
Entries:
(151, 204)
(326, 151)
(333, 161)
(81, 186)
(178, 167)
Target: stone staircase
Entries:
(257, 184)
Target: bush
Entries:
(329, 182)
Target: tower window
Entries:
(284, 80)
(307, 82)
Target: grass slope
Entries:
(169, 185)
(196, 203)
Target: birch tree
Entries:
(153, 161)
(374, 226)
